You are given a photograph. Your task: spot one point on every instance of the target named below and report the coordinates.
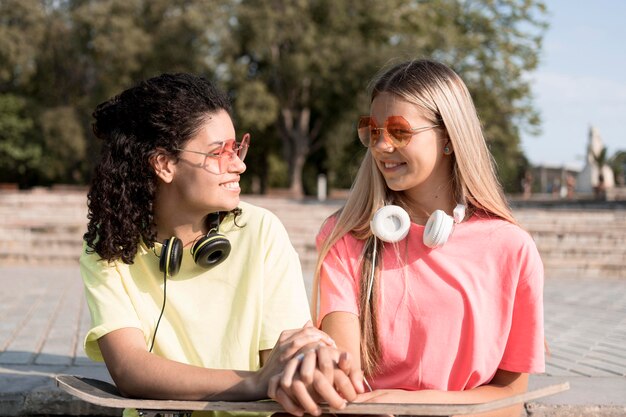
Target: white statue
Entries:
(597, 175)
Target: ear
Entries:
(164, 165)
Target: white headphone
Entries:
(391, 224)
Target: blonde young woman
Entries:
(452, 313)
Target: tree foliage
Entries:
(618, 164)
(18, 153)
(21, 39)
(316, 58)
(298, 71)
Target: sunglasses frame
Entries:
(365, 122)
(239, 148)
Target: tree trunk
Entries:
(296, 190)
(295, 131)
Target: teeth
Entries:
(391, 164)
(231, 185)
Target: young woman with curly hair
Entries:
(189, 288)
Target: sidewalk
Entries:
(43, 319)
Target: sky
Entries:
(580, 82)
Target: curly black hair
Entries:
(162, 112)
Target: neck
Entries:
(171, 219)
(421, 204)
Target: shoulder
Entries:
(327, 227)
(347, 243)
(494, 229)
(254, 222)
(254, 215)
(509, 243)
(90, 258)
(95, 270)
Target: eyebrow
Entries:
(216, 144)
(219, 142)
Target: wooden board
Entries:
(104, 394)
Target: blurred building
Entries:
(557, 180)
(595, 179)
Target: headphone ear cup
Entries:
(211, 250)
(438, 229)
(171, 256)
(390, 223)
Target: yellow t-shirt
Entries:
(215, 318)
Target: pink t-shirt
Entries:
(448, 317)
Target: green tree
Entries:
(119, 42)
(314, 59)
(618, 165)
(123, 41)
(298, 70)
(19, 155)
(600, 158)
(494, 45)
(64, 140)
(317, 57)
(21, 36)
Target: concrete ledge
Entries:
(50, 402)
(587, 397)
(31, 390)
(27, 393)
(542, 410)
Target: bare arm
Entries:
(139, 373)
(344, 329)
(504, 384)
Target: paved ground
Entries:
(43, 318)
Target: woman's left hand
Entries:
(289, 344)
(316, 374)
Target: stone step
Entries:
(584, 271)
(46, 227)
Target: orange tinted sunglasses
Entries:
(399, 131)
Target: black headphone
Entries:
(207, 252)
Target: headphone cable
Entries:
(162, 309)
(371, 277)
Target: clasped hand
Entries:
(317, 373)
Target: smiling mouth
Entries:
(391, 165)
(233, 185)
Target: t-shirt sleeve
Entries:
(338, 277)
(525, 349)
(284, 299)
(108, 301)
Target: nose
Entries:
(382, 143)
(235, 164)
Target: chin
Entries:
(395, 186)
(229, 203)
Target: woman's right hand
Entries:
(316, 374)
(290, 343)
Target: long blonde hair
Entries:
(443, 98)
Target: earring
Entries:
(447, 150)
